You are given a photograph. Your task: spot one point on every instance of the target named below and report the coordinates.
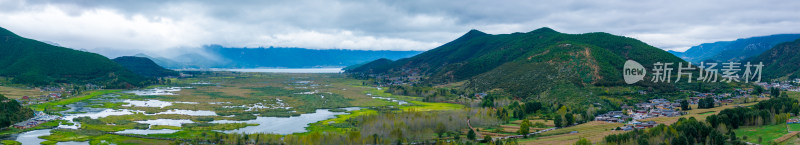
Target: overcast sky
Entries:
(126, 27)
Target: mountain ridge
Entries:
(144, 66)
(780, 62)
(276, 57)
(526, 64)
(34, 62)
(735, 50)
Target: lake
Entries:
(287, 70)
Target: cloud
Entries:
(125, 27)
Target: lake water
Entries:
(288, 70)
(170, 122)
(146, 131)
(278, 125)
(189, 112)
(284, 125)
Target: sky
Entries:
(170, 28)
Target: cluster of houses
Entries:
(782, 85)
(793, 121)
(630, 114)
(30, 100)
(638, 125)
(39, 118)
(613, 117)
(654, 108)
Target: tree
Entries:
(440, 129)
(524, 128)
(532, 107)
(760, 139)
(685, 105)
(519, 113)
(487, 138)
(642, 141)
(583, 141)
(570, 119)
(774, 92)
(758, 90)
(707, 102)
(471, 135)
(557, 121)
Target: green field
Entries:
(57, 104)
(767, 132)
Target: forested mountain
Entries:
(734, 51)
(782, 61)
(525, 64)
(37, 63)
(144, 66)
(225, 57)
(12, 112)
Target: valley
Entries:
(338, 72)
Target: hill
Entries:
(525, 64)
(780, 62)
(734, 51)
(37, 63)
(216, 56)
(12, 112)
(144, 66)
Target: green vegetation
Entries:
(36, 63)
(767, 117)
(58, 105)
(766, 133)
(215, 126)
(10, 142)
(525, 64)
(780, 62)
(97, 137)
(144, 66)
(12, 112)
(46, 125)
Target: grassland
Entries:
(57, 105)
(290, 92)
(767, 133)
(17, 92)
(10, 142)
(96, 137)
(594, 131)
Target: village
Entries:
(38, 118)
(49, 94)
(630, 115)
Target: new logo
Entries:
(633, 72)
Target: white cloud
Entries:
(171, 27)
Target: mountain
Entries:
(734, 51)
(780, 62)
(37, 63)
(216, 56)
(526, 64)
(144, 66)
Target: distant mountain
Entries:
(144, 66)
(525, 64)
(33, 62)
(780, 62)
(216, 56)
(734, 51)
